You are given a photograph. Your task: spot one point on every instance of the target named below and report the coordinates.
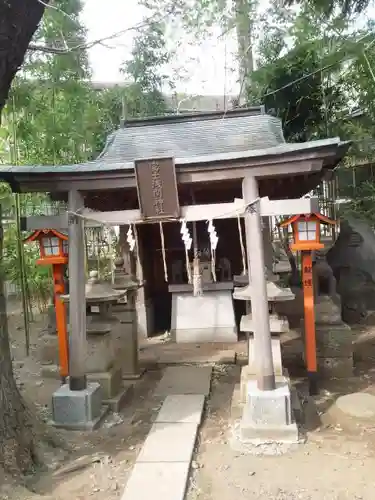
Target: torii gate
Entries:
(251, 207)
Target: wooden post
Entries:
(77, 300)
(257, 278)
(310, 340)
(58, 280)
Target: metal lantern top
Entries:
(98, 292)
(306, 230)
(53, 246)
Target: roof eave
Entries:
(287, 159)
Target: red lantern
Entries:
(54, 248)
(306, 230)
(306, 233)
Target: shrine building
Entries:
(205, 158)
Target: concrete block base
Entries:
(257, 434)
(267, 416)
(78, 410)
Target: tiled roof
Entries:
(195, 138)
(190, 138)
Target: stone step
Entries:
(169, 443)
(186, 409)
(185, 380)
(162, 468)
(159, 481)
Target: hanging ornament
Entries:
(186, 238)
(130, 239)
(163, 252)
(214, 239)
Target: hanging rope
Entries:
(163, 252)
(188, 268)
(243, 253)
(197, 278)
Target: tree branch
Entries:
(84, 46)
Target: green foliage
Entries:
(299, 105)
(362, 203)
(39, 279)
(55, 117)
(328, 7)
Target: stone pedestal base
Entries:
(77, 410)
(125, 343)
(48, 349)
(267, 416)
(114, 393)
(334, 348)
(206, 318)
(335, 367)
(145, 317)
(100, 353)
(110, 381)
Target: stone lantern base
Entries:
(102, 369)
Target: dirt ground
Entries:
(337, 461)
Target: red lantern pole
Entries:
(310, 336)
(62, 334)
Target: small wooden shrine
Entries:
(156, 177)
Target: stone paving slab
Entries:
(169, 443)
(187, 409)
(157, 481)
(185, 380)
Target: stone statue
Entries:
(225, 270)
(327, 301)
(177, 272)
(352, 259)
(324, 279)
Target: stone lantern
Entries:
(101, 366)
(125, 332)
(278, 325)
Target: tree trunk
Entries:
(19, 20)
(16, 436)
(244, 13)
